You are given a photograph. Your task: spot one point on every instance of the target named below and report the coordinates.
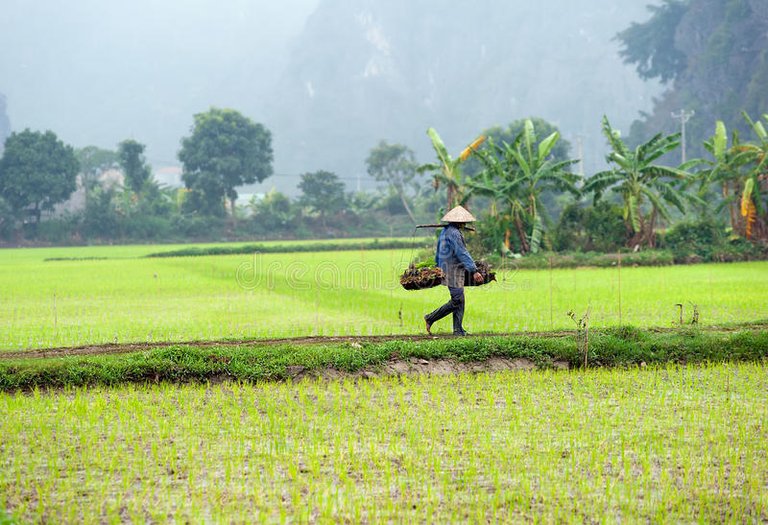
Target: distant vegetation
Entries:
(524, 189)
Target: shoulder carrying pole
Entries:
(470, 228)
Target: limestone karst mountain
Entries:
(365, 70)
(330, 78)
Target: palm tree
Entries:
(741, 170)
(447, 170)
(517, 174)
(755, 159)
(639, 180)
(505, 187)
(724, 172)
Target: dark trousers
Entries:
(454, 306)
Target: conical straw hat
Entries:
(458, 214)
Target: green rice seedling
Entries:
(126, 298)
(667, 444)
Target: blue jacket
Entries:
(452, 256)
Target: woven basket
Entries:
(421, 278)
(485, 270)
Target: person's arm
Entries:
(467, 260)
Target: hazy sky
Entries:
(99, 71)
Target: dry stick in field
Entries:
(619, 268)
(582, 332)
(695, 315)
(586, 336)
(551, 306)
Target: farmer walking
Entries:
(453, 258)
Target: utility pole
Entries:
(683, 116)
(580, 153)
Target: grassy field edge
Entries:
(625, 346)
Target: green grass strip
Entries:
(185, 363)
(375, 244)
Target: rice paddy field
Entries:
(112, 294)
(667, 445)
(670, 443)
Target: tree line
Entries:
(622, 206)
(225, 150)
(519, 180)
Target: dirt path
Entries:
(125, 348)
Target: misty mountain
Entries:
(98, 72)
(366, 70)
(721, 71)
(329, 78)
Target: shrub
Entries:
(100, 218)
(571, 234)
(62, 230)
(487, 240)
(146, 227)
(590, 228)
(196, 227)
(693, 241)
(605, 227)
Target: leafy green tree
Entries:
(515, 177)
(323, 193)
(93, 162)
(7, 220)
(130, 154)
(712, 55)
(273, 212)
(651, 45)
(101, 219)
(37, 171)
(396, 165)
(638, 180)
(362, 203)
(225, 150)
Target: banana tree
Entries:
(517, 175)
(447, 170)
(741, 171)
(755, 158)
(504, 186)
(724, 171)
(642, 183)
